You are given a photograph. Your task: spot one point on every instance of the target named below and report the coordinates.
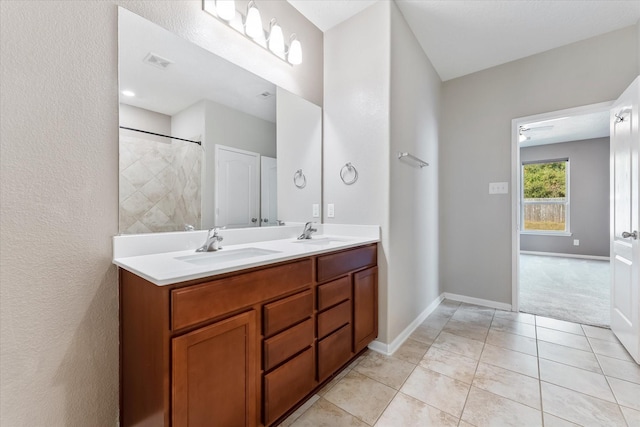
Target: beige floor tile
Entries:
(511, 360)
(333, 382)
(487, 409)
(436, 320)
(477, 308)
(553, 421)
(512, 342)
(569, 356)
(509, 384)
(436, 390)
(579, 408)
(609, 348)
(632, 416)
(559, 325)
(477, 317)
(516, 317)
(301, 410)
(450, 364)
(622, 369)
(361, 396)
(466, 329)
(326, 414)
(627, 393)
(459, 345)
(446, 309)
(600, 333)
(385, 369)
(563, 338)
(406, 411)
(506, 325)
(465, 424)
(411, 351)
(425, 334)
(576, 379)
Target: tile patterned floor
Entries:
(468, 365)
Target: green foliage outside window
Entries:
(545, 180)
(545, 195)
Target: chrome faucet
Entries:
(213, 240)
(306, 233)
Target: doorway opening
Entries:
(560, 171)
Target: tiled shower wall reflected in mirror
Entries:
(160, 184)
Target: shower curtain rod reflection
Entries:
(159, 134)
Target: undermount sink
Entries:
(320, 241)
(206, 258)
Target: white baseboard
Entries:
(478, 301)
(389, 349)
(599, 258)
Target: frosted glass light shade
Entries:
(295, 51)
(226, 9)
(253, 24)
(276, 39)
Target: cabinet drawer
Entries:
(285, 386)
(334, 318)
(333, 352)
(335, 265)
(281, 314)
(199, 303)
(284, 345)
(333, 292)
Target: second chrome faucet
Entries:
(306, 233)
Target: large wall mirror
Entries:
(206, 143)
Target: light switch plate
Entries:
(576, 242)
(331, 210)
(498, 188)
(316, 210)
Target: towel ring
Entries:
(299, 176)
(349, 167)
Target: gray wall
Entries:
(415, 127)
(59, 198)
(588, 197)
(380, 100)
(356, 128)
(475, 148)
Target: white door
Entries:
(268, 191)
(237, 186)
(625, 246)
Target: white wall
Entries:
(356, 128)
(299, 129)
(139, 118)
(475, 149)
(59, 198)
(415, 116)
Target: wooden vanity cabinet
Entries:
(245, 348)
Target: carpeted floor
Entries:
(577, 290)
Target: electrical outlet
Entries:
(331, 210)
(576, 242)
(498, 188)
(316, 210)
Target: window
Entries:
(545, 197)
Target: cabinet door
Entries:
(365, 308)
(215, 374)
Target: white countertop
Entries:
(169, 267)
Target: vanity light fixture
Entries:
(276, 39)
(253, 23)
(250, 25)
(294, 55)
(226, 9)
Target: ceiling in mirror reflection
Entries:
(201, 75)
